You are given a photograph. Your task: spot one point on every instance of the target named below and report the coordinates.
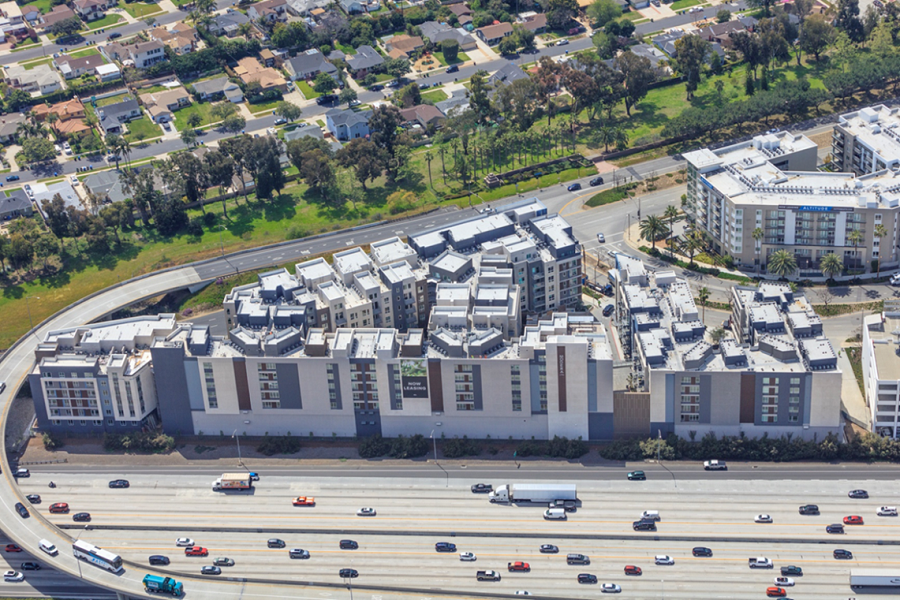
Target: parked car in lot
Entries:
(601, 238)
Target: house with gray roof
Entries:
(17, 204)
(105, 185)
(506, 74)
(365, 59)
(438, 32)
(307, 65)
(653, 54)
(219, 87)
(301, 8)
(9, 126)
(347, 125)
(229, 23)
(666, 41)
(310, 131)
(457, 102)
(352, 6)
(113, 116)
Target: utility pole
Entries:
(237, 439)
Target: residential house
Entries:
(46, 191)
(438, 32)
(146, 54)
(13, 12)
(329, 22)
(108, 72)
(9, 126)
(38, 81)
(59, 13)
(364, 61)
(311, 131)
(658, 59)
(301, 8)
(215, 89)
(73, 128)
(347, 125)
(750, 23)
(505, 75)
(269, 10)
(228, 24)
(249, 69)
(457, 102)
(424, 115)
(106, 186)
(69, 109)
(181, 39)
(17, 204)
(666, 41)
(307, 65)
(90, 10)
(76, 67)
(352, 6)
(161, 105)
(268, 58)
(113, 116)
(402, 46)
(492, 34)
(536, 23)
(31, 13)
(460, 10)
(114, 51)
(721, 32)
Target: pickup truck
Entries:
(487, 576)
(518, 566)
(715, 465)
(759, 563)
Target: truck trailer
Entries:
(542, 493)
(874, 578)
(233, 481)
(164, 585)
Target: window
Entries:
(210, 381)
(515, 380)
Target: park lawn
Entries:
(139, 10)
(85, 52)
(263, 106)
(306, 90)
(41, 61)
(682, 4)
(435, 96)
(204, 109)
(141, 130)
(107, 21)
(460, 58)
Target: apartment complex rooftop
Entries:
(879, 127)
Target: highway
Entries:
(43, 583)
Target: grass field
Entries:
(263, 106)
(139, 10)
(204, 109)
(683, 4)
(142, 127)
(460, 58)
(108, 21)
(435, 96)
(26, 46)
(110, 100)
(85, 52)
(41, 61)
(306, 90)
(348, 50)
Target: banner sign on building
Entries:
(414, 378)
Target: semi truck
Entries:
(542, 493)
(165, 585)
(233, 481)
(872, 578)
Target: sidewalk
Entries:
(852, 400)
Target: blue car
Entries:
(574, 187)
(12, 177)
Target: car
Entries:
(574, 187)
(59, 507)
(853, 520)
(858, 494)
(208, 570)
(166, 126)
(887, 511)
(12, 548)
(326, 99)
(453, 69)
(304, 501)
(587, 578)
(22, 472)
(607, 311)
(119, 483)
(158, 559)
(792, 570)
(275, 543)
(596, 181)
(775, 592)
(774, 129)
(23, 512)
(224, 562)
(664, 559)
(562, 42)
(376, 88)
(895, 279)
(834, 528)
(348, 573)
(81, 517)
(184, 542)
(633, 570)
(74, 180)
(33, 498)
(12, 177)
(784, 581)
(518, 566)
(715, 465)
(115, 35)
(842, 554)
(13, 576)
(549, 549)
(298, 553)
(482, 488)
(280, 120)
(610, 588)
(30, 192)
(365, 512)
(809, 509)
(762, 519)
(348, 545)
(467, 557)
(196, 551)
(353, 103)
(30, 566)
(643, 525)
(523, 593)
(445, 547)
(601, 238)
(702, 551)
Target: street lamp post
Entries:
(30, 322)
(237, 439)
(434, 443)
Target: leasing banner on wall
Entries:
(414, 378)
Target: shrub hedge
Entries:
(282, 444)
(138, 442)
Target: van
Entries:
(887, 511)
(577, 559)
(644, 525)
(650, 515)
(555, 514)
(48, 547)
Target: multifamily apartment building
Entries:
(881, 369)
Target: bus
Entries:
(98, 556)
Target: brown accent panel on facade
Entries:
(435, 388)
(561, 379)
(631, 414)
(748, 397)
(241, 385)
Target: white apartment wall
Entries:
(226, 391)
(571, 423)
(825, 408)
(725, 399)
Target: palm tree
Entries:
(757, 235)
(782, 263)
(703, 297)
(652, 228)
(831, 265)
(442, 151)
(717, 335)
(428, 158)
(856, 237)
(52, 118)
(671, 213)
(613, 135)
(692, 244)
(880, 232)
(244, 29)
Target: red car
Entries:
(12, 548)
(853, 520)
(196, 551)
(305, 501)
(633, 570)
(518, 566)
(775, 592)
(59, 507)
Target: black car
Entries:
(81, 517)
(115, 35)
(348, 545)
(809, 509)
(207, 570)
(574, 187)
(119, 483)
(158, 559)
(12, 177)
(587, 578)
(636, 475)
(23, 512)
(644, 525)
(376, 88)
(596, 181)
(453, 69)
(857, 494)
(482, 488)
(701, 551)
(549, 549)
(275, 543)
(608, 310)
(30, 566)
(33, 498)
(834, 528)
(445, 547)
(791, 570)
(842, 554)
(224, 562)
(326, 99)
(348, 573)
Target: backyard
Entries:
(306, 90)
(141, 130)
(204, 109)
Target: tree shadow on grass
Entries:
(281, 208)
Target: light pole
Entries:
(434, 443)
(30, 322)
(237, 439)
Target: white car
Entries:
(784, 581)
(365, 512)
(13, 576)
(601, 238)
(270, 131)
(884, 511)
(184, 542)
(74, 180)
(895, 279)
(466, 557)
(523, 593)
(610, 588)
(762, 519)
(664, 559)
(562, 42)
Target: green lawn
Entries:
(109, 100)
(204, 109)
(107, 21)
(435, 96)
(263, 106)
(349, 50)
(85, 52)
(683, 4)
(41, 61)
(180, 3)
(139, 10)
(460, 58)
(43, 5)
(144, 126)
(26, 45)
(633, 16)
(306, 89)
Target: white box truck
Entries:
(874, 578)
(233, 481)
(541, 493)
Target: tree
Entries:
(428, 158)
(758, 235)
(652, 228)
(723, 16)
(193, 174)
(508, 46)
(692, 53)
(782, 263)
(194, 120)
(613, 135)
(559, 12)
(856, 237)
(290, 35)
(703, 297)
(324, 83)
(638, 75)
(19, 251)
(847, 19)
(45, 246)
(479, 101)
(234, 123)
(831, 265)
(397, 67)
(364, 157)
(347, 95)
(692, 244)
(410, 95)
(223, 110)
(37, 149)
(118, 146)
(57, 217)
(880, 232)
(317, 171)
(764, 4)
(384, 122)
(290, 111)
(189, 137)
(72, 25)
(671, 213)
(881, 40)
(601, 12)
(801, 8)
(238, 148)
(717, 335)
(16, 99)
(450, 50)
(220, 171)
